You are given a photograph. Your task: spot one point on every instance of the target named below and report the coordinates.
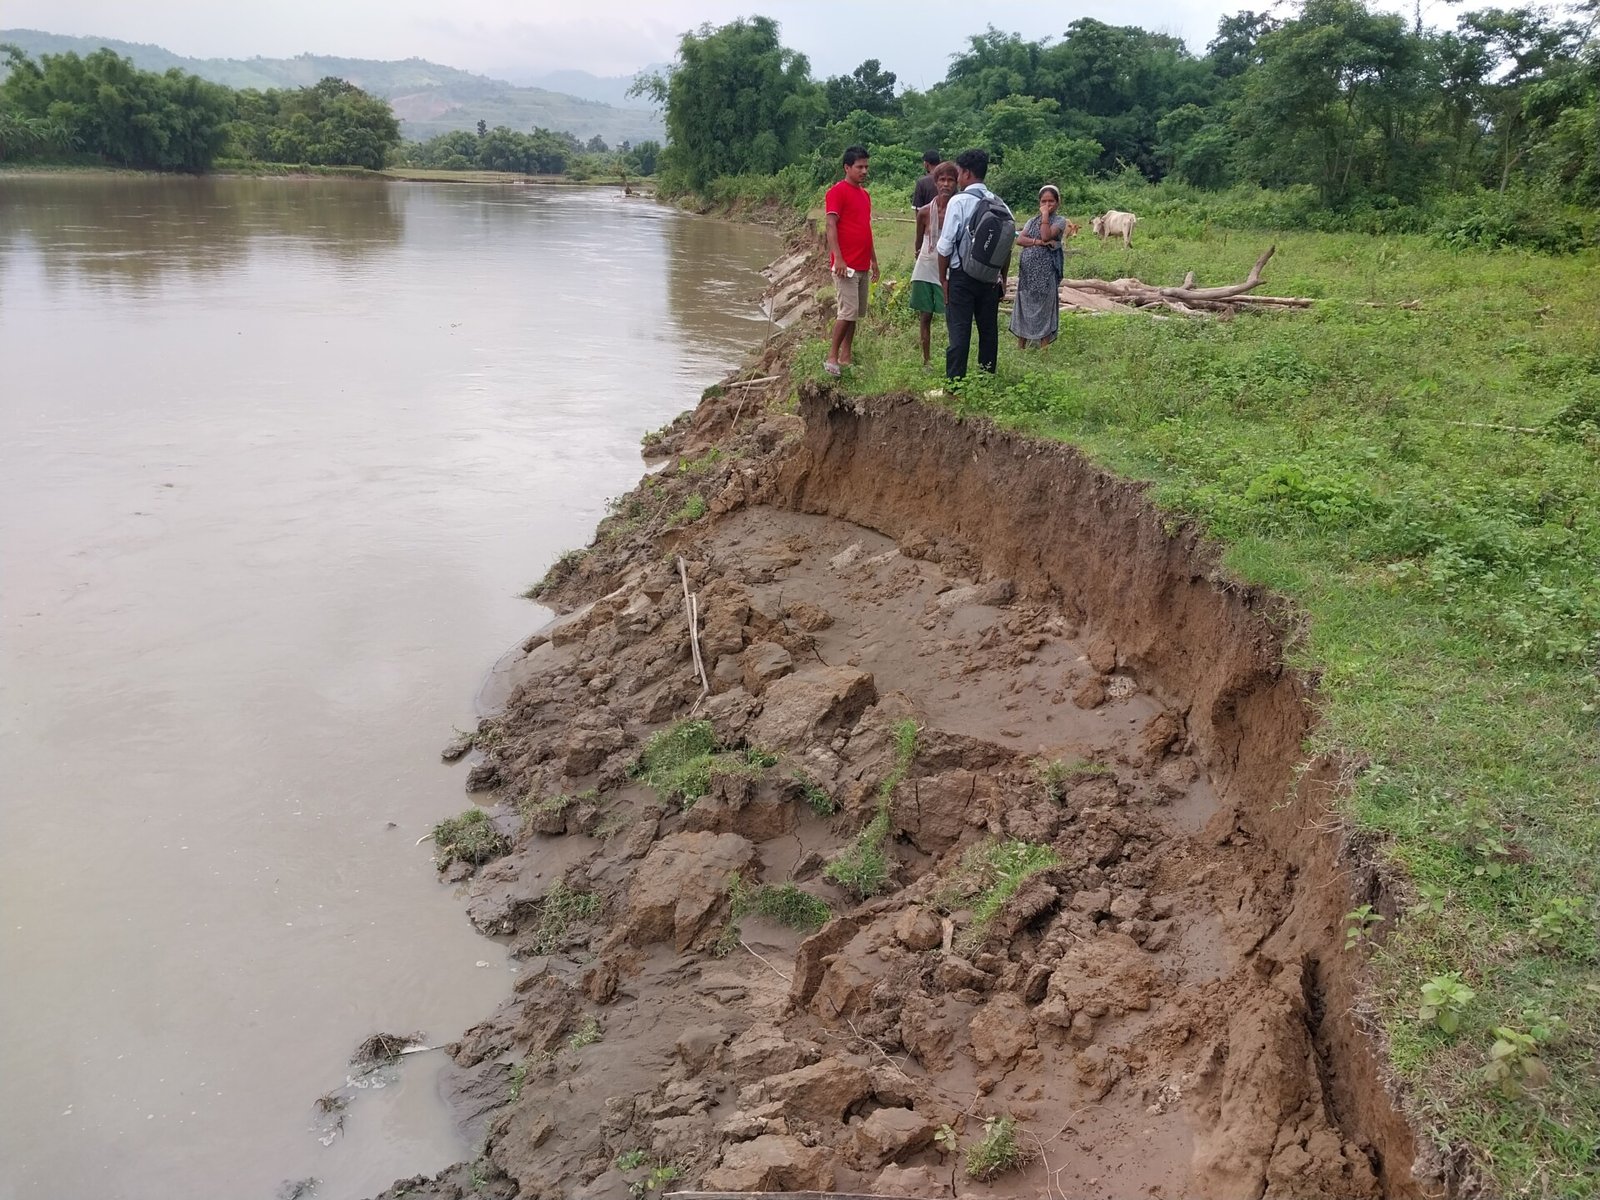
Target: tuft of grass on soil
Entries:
(817, 796)
(1057, 775)
(693, 509)
(470, 838)
(1424, 484)
(561, 908)
(863, 866)
(681, 761)
(559, 570)
(997, 1152)
(994, 871)
(784, 903)
(587, 1034)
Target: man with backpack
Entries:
(974, 256)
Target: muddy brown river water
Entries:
(276, 459)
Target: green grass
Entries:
(995, 871)
(863, 866)
(470, 837)
(784, 903)
(561, 908)
(681, 761)
(997, 1152)
(693, 509)
(1425, 485)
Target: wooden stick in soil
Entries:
(691, 608)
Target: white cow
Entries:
(1115, 224)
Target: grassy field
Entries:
(1425, 484)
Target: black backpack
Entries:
(987, 240)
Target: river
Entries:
(277, 458)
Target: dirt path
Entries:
(1099, 931)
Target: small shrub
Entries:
(1561, 919)
(470, 837)
(998, 1151)
(1444, 999)
(1358, 923)
(632, 1160)
(519, 1075)
(660, 1175)
(1516, 1065)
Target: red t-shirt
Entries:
(854, 207)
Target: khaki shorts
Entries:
(852, 295)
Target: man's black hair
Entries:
(975, 161)
(855, 153)
(931, 158)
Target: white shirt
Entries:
(957, 214)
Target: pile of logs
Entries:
(1132, 295)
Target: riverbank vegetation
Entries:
(100, 110)
(1337, 117)
(1415, 462)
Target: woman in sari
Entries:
(1036, 312)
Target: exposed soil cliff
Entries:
(1033, 753)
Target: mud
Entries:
(1162, 1008)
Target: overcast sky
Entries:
(913, 39)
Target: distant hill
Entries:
(428, 98)
(607, 89)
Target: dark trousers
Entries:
(971, 301)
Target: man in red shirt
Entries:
(851, 253)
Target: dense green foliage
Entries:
(1424, 484)
(333, 123)
(104, 107)
(737, 102)
(1365, 112)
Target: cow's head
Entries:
(1098, 224)
(1072, 228)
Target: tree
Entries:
(736, 102)
(104, 105)
(642, 159)
(1332, 101)
(597, 145)
(869, 88)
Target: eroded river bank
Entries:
(901, 806)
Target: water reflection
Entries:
(133, 230)
(276, 459)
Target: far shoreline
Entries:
(232, 170)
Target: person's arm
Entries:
(946, 246)
(833, 244)
(924, 219)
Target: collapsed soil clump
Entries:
(1012, 743)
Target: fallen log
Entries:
(1124, 295)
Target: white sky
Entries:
(914, 39)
